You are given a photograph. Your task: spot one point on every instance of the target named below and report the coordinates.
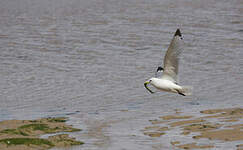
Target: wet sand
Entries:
(210, 124)
(25, 134)
(213, 124)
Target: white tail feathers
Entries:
(186, 90)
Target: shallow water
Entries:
(87, 60)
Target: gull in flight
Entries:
(168, 81)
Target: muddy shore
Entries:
(25, 134)
(213, 124)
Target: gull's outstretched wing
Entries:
(171, 60)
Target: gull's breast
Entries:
(166, 85)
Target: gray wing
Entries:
(171, 60)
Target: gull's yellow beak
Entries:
(145, 85)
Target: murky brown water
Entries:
(87, 60)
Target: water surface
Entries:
(87, 60)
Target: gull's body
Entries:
(168, 81)
(165, 85)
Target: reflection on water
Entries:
(88, 60)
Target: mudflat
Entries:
(25, 134)
(212, 124)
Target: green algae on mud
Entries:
(13, 131)
(41, 127)
(26, 141)
(46, 129)
(17, 133)
(60, 119)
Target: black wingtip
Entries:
(178, 32)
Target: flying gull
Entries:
(168, 81)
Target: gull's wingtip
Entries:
(178, 32)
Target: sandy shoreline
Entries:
(25, 134)
(212, 124)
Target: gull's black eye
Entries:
(160, 69)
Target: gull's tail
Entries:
(186, 90)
